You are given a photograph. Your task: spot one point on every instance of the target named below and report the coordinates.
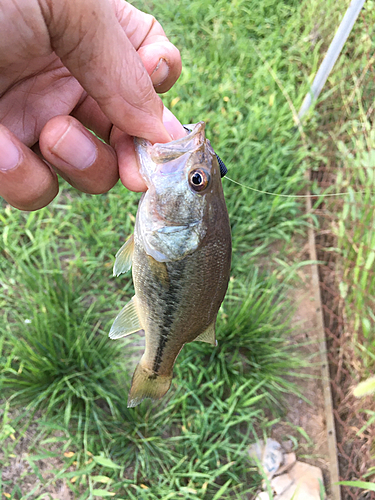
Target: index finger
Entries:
(90, 41)
(150, 41)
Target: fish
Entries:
(180, 254)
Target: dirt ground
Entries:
(309, 417)
(20, 471)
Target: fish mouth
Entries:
(163, 152)
(169, 158)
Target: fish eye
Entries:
(199, 179)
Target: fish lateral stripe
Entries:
(170, 296)
(164, 334)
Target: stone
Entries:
(269, 454)
(256, 450)
(263, 496)
(287, 445)
(289, 461)
(279, 484)
(309, 473)
(306, 481)
(290, 479)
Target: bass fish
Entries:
(180, 255)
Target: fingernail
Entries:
(160, 73)
(173, 126)
(10, 155)
(75, 148)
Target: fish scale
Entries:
(180, 256)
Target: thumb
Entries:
(91, 43)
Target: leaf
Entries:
(370, 260)
(68, 411)
(365, 388)
(358, 484)
(6, 431)
(106, 462)
(175, 101)
(223, 489)
(103, 493)
(102, 479)
(80, 472)
(253, 400)
(366, 327)
(343, 287)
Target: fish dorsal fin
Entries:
(124, 257)
(126, 322)
(208, 335)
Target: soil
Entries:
(310, 417)
(20, 472)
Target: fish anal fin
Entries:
(208, 335)
(127, 321)
(124, 257)
(147, 384)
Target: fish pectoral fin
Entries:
(124, 257)
(126, 322)
(208, 335)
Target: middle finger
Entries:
(78, 156)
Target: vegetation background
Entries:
(65, 428)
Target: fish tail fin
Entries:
(147, 384)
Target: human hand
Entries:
(70, 64)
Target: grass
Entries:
(356, 240)
(346, 138)
(64, 383)
(344, 134)
(61, 362)
(249, 122)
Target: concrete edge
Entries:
(326, 380)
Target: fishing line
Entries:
(297, 120)
(291, 195)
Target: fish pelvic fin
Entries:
(127, 321)
(208, 335)
(147, 384)
(124, 257)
